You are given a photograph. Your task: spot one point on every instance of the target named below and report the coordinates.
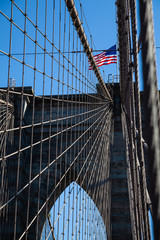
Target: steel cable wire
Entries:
(53, 191)
(152, 109)
(58, 124)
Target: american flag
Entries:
(106, 57)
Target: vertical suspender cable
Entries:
(152, 109)
(77, 23)
(138, 112)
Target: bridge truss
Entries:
(57, 126)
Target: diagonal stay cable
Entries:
(40, 173)
(46, 139)
(58, 182)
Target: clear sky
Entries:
(101, 17)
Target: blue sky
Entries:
(101, 20)
(86, 210)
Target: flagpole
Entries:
(116, 10)
(117, 60)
